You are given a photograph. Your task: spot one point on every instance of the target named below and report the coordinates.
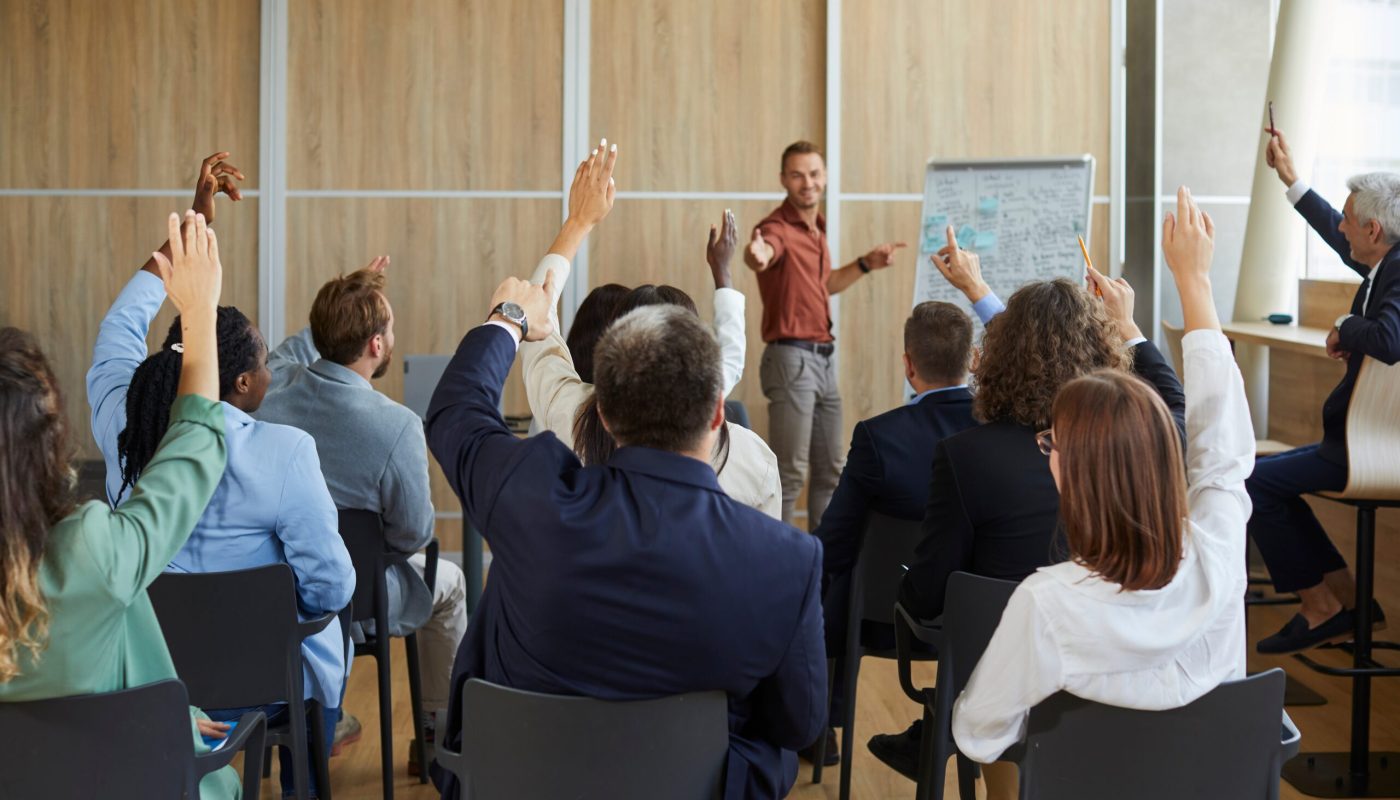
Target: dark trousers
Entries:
(1293, 543)
(276, 714)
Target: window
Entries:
(1363, 85)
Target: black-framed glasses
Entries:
(1045, 440)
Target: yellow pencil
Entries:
(1088, 263)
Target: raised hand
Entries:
(1188, 244)
(883, 255)
(535, 301)
(1118, 299)
(961, 268)
(1279, 157)
(592, 192)
(376, 264)
(720, 250)
(759, 254)
(215, 176)
(192, 275)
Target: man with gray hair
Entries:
(1300, 556)
(639, 577)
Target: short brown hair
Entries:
(658, 378)
(938, 339)
(1122, 479)
(1050, 333)
(348, 312)
(800, 148)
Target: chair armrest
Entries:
(906, 629)
(1292, 738)
(313, 626)
(249, 735)
(449, 760)
(431, 566)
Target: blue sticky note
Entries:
(936, 223)
(985, 242)
(966, 235)
(1079, 227)
(987, 206)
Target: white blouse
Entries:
(556, 393)
(1157, 649)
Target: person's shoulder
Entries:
(744, 441)
(285, 438)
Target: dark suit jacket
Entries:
(993, 508)
(887, 471)
(1375, 333)
(635, 579)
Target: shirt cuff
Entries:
(560, 266)
(1296, 192)
(1134, 342)
(729, 300)
(988, 307)
(508, 328)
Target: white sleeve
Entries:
(1295, 192)
(729, 329)
(552, 385)
(561, 268)
(1020, 668)
(1219, 438)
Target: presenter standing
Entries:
(795, 279)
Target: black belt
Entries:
(820, 348)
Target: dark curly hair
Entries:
(154, 384)
(36, 491)
(1050, 333)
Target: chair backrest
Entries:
(363, 532)
(1373, 433)
(971, 612)
(886, 548)
(1174, 334)
(1224, 745)
(135, 742)
(737, 413)
(593, 748)
(232, 635)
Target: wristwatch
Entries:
(513, 313)
(864, 267)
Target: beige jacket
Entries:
(556, 392)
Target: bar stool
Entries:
(1373, 481)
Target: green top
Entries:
(103, 635)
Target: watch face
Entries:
(512, 311)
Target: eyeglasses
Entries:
(1045, 440)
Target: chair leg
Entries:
(967, 778)
(267, 762)
(320, 751)
(415, 694)
(1361, 656)
(819, 748)
(296, 724)
(386, 713)
(848, 723)
(932, 769)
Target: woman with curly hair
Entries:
(74, 616)
(993, 509)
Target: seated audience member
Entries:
(992, 505)
(560, 397)
(887, 469)
(640, 577)
(1146, 611)
(74, 616)
(272, 505)
(1300, 556)
(373, 455)
(592, 318)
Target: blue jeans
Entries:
(1293, 543)
(276, 715)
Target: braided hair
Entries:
(156, 381)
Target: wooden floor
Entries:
(882, 707)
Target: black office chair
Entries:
(672, 746)
(1226, 745)
(887, 547)
(235, 638)
(134, 744)
(737, 413)
(363, 532)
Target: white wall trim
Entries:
(834, 198)
(272, 176)
(186, 192)
(1117, 136)
(428, 194)
(700, 196)
(576, 135)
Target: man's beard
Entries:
(383, 369)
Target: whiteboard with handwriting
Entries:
(1021, 217)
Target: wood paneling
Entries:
(1321, 302)
(430, 94)
(128, 94)
(1298, 385)
(67, 258)
(965, 79)
(705, 96)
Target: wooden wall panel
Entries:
(705, 96)
(1321, 302)
(126, 94)
(1298, 386)
(67, 258)
(964, 78)
(431, 94)
(663, 241)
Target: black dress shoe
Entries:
(899, 751)
(833, 753)
(1296, 636)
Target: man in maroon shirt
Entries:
(796, 281)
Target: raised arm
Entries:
(729, 303)
(1318, 212)
(963, 271)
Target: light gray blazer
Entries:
(373, 455)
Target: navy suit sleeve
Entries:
(1324, 219)
(1151, 366)
(1377, 334)
(790, 705)
(946, 546)
(478, 453)
(843, 522)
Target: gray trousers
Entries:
(804, 425)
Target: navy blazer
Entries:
(1375, 333)
(993, 508)
(638, 578)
